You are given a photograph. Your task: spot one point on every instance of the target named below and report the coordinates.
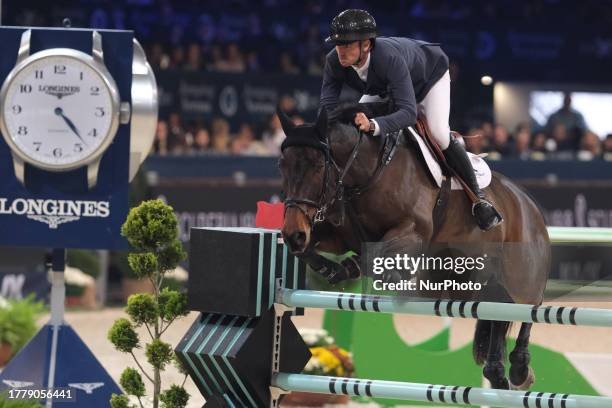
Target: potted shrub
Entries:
(327, 359)
(131, 283)
(17, 325)
(152, 231)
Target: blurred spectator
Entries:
(590, 147)
(177, 58)
(539, 146)
(287, 66)
(194, 57)
(252, 61)
(160, 146)
(220, 135)
(234, 61)
(561, 138)
(572, 120)
(273, 136)
(288, 105)
(201, 141)
(522, 142)
(316, 64)
(500, 142)
(216, 59)
(487, 133)
(178, 141)
(538, 142)
(475, 141)
(607, 148)
(157, 57)
(244, 143)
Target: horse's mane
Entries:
(345, 112)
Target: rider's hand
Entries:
(362, 122)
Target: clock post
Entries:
(74, 133)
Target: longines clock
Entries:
(60, 109)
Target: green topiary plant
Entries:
(151, 229)
(6, 402)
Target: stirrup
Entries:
(495, 218)
(479, 202)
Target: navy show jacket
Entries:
(400, 68)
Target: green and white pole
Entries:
(510, 312)
(452, 395)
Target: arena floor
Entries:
(589, 348)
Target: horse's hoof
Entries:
(502, 384)
(391, 277)
(526, 385)
(338, 274)
(352, 266)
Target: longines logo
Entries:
(54, 212)
(59, 90)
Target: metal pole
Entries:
(102, 280)
(447, 308)
(453, 395)
(58, 296)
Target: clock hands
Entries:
(60, 112)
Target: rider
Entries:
(408, 71)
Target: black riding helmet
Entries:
(352, 25)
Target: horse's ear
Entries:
(286, 122)
(321, 124)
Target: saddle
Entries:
(435, 162)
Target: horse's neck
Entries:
(343, 141)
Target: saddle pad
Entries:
(481, 168)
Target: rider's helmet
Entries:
(352, 25)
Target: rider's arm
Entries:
(402, 94)
(330, 90)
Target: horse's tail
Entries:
(482, 340)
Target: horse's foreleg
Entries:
(494, 365)
(521, 375)
(402, 239)
(334, 272)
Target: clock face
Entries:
(58, 111)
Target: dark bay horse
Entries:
(396, 207)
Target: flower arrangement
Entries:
(327, 358)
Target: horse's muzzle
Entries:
(296, 242)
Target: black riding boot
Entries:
(486, 215)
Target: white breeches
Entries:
(435, 106)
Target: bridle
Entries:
(341, 193)
(323, 204)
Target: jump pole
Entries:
(510, 312)
(452, 395)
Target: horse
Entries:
(330, 169)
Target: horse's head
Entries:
(304, 170)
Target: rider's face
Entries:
(348, 54)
